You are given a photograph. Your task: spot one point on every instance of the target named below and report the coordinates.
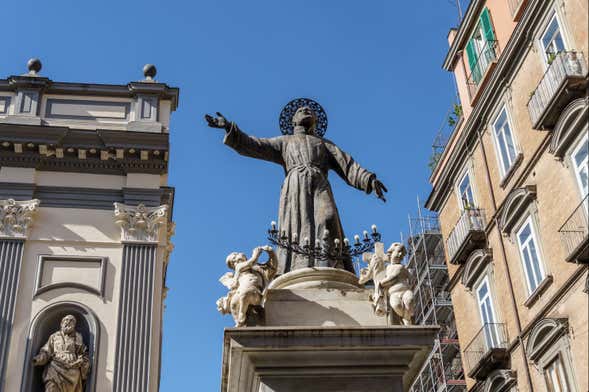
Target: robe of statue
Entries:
(307, 206)
(59, 353)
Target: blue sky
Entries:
(375, 66)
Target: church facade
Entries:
(85, 227)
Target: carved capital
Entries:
(16, 217)
(140, 223)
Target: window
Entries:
(528, 246)
(480, 49)
(503, 135)
(465, 193)
(580, 159)
(552, 41)
(556, 380)
(487, 313)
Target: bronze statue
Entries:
(307, 210)
(65, 358)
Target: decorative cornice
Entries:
(515, 204)
(16, 217)
(571, 122)
(543, 335)
(474, 265)
(500, 380)
(140, 223)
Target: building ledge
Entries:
(495, 358)
(539, 291)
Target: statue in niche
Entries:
(307, 209)
(65, 357)
(247, 284)
(392, 287)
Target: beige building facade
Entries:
(511, 191)
(85, 225)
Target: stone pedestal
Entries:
(320, 333)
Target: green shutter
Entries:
(487, 26)
(473, 61)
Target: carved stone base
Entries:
(293, 359)
(316, 278)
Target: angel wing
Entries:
(227, 279)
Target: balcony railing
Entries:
(486, 56)
(574, 233)
(562, 81)
(487, 351)
(466, 235)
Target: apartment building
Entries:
(511, 191)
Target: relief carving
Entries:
(140, 223)
(16, 217)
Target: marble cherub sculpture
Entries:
(247, 284)
(65, 357)
(391, 281)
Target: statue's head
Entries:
(235, 258)
(304, 119)
(396, 252)
(68, 324)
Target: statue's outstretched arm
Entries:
(244, 144)
(354, 174)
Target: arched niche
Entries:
(501, 380)
(571, 122)
(475, 265)
(47, 322)
(515, 205)
(543, 336)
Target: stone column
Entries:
(140, 227)
(15, 219)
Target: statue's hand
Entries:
(38, 360)
(218, 122)
(379, 189)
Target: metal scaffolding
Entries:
(442, 371)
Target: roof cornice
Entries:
(463, 32)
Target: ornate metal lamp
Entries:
(322, 249)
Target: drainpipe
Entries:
(504, 255)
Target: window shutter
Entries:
(487, 26)
(473, 61)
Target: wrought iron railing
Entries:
(490, 336)
(450, 123)
(472, 219)
(575, 229)
(486, 56)
(562, 66)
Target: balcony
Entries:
(563, 81)
(574, 234)
(486, 60)
(467, 235)
(487, 351)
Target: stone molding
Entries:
(475, 265)
(316, 277)
(570, 124)
(544, 334)
(500, 380)
(140, 223)
(16, 217)
(514, 206)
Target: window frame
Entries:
(505, 172)
(465, 173)
(550, 15)
(575, 148)
(559, 369)
(486, 279)
(528, 220)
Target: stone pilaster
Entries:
(140, 229)
(15, 220)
